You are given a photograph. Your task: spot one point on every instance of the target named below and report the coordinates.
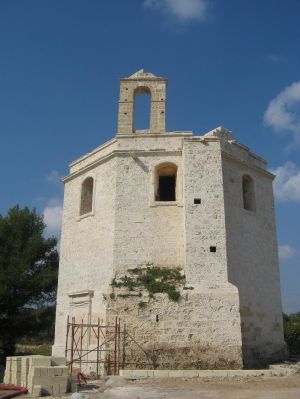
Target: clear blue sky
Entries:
(234, 63)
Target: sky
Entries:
(234, 63)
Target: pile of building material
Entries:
(41, 375)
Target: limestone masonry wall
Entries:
(204, 222)
(146, 231)
(219, 230)
(86, 255)
(202, 330)
(253, 263)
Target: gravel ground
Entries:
(275, 387)
(181, 388)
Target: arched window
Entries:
(86, 200)
(142, 109)
(165, 182)
(248, 193)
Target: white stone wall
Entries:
(125, 228)
(204, 222)
(202, 330)
(86, 255)
(146, 231)
(253, 261)
(237, 294)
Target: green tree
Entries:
(28, 277)
(292, 332)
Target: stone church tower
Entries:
(199, 204)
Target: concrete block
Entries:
(175, 373)
(47, 390)
(204, 373)
(219, 373)
(55, 379)
(34, 372)
(36, 391)
(39, 361)
(234, 373)
(43, 371)
(47, 382)
(7, 373)
(63, 387)
(16, 364)
(58, 361)
(24, 370)
(55, 389)
(7, 378)
(16, 377)
(123, 373)
(248, 373)
(190, 373)
(38, 380)
(55, 371)
(139, 374)
(160, 373)
(59, 388)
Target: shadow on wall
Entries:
(141, 164)
(259, 324)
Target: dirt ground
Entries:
(115, 387)
(179, 388)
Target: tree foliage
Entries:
(292, 332)
(28, 276)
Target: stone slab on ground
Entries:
(38, 374)
(137, 374)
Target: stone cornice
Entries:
(146, 135)
(116, 153)
(203, 140)
(129, 136)
(144, 78)
(101, 147)
(244, 147)
(249, 165)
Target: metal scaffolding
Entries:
(104, 348)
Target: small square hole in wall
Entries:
(197, 201)
(213, 249)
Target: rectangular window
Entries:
(167, 185)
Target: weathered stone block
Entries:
(36, 391)
(160, 373)
(58, 361)
(55, 371)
